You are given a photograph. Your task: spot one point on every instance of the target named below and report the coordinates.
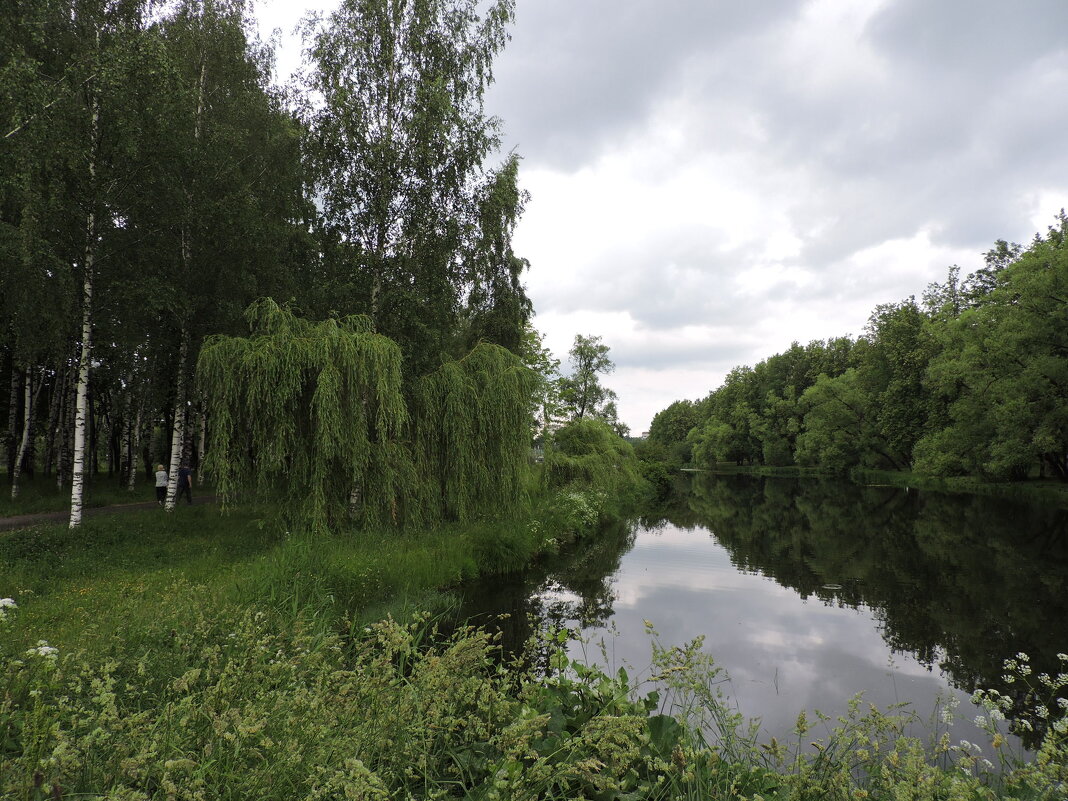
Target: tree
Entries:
(397, 147)
(1004, 370)
(546, 403)
(581, 392)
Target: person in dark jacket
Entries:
(185, 484)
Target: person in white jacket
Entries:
(161, 484)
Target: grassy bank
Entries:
(198, 656)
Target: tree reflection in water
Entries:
(960, 582)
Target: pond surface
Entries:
(810, 591)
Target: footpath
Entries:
(26, 521)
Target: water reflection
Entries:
(810, 591)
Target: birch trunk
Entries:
(12, 419)
(135, 441)
(27, 417)
(178, 432)
(81, 406)
(77, 479)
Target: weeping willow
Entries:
(312, 415)
(589, 453)
(472, 424)
(309, 414)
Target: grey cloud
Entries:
(579, 74)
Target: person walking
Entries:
(185, 483)
(161, 484)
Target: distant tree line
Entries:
(971, 380)
(155, 183)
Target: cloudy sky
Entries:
(714, 179)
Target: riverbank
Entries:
(197, 655)
(1049, 492)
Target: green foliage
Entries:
(581, 393)
(307, 412)
(313, 414)
(1004, 373)
(473, 434)
(234, 705)
(418, 233)
(971, 383)
(588, 454)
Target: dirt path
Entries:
(25, 521)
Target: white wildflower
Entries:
(1042, 711)
(1063, 657)
(980, 721)
(44, 650)
(8, 603)
(1062, 703)
(1060, 726)
(947, 716)
(1008, 678)
(988, 764)
(1025, 670)
(1022, 656)
(996, 714)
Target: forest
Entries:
(971, 380)
(157, 184)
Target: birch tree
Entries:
(398, 147)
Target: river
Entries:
(808, 592)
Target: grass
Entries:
(40, 494)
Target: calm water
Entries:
(808, 592)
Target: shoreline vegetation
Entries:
(1047, 492)
(210, 655)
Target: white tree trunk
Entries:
(178, 432)
(77, 481)
(27, 416)
(135, 442)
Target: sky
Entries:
(711, 181)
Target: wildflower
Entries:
(1008, 678)
(1023, 657)
(988, 764)
(947, 716)
(1041, 711)
(1062, 703)
(1061, 726)
(8, 603)
(43, 649)
(980, 721)
(1063, 657)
